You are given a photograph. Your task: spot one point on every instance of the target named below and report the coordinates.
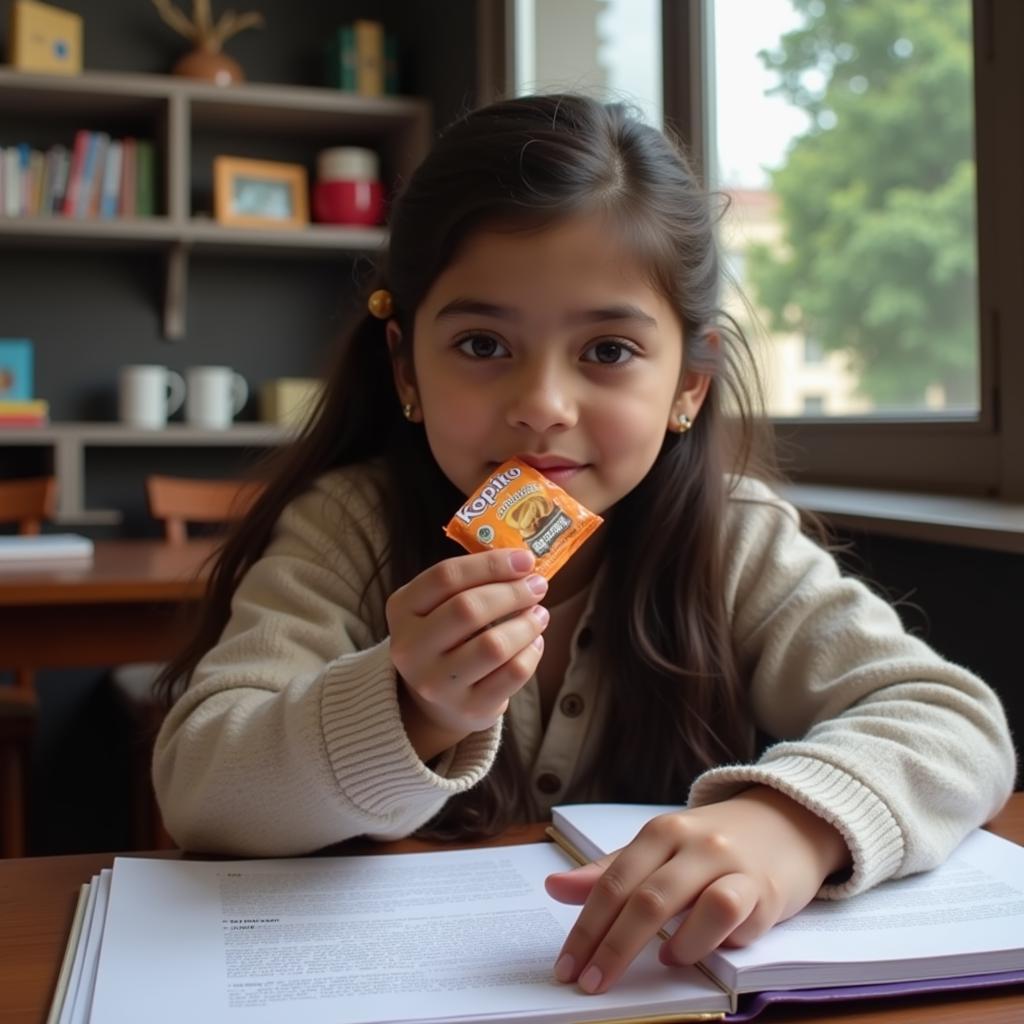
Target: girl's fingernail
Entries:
(520, 560)
(537, 583)
(538, 642)
(590, 979)
(540, 613)
(565, 966)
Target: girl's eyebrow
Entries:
(477, 307)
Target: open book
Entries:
(959, 926)
(471, 936)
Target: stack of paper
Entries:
(45, 549)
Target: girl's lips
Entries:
(560, 474)
(557, 472)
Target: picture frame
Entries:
(260, 193)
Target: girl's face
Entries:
(553, 347)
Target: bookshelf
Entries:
(70, 441)
(185, 118)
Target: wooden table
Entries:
(130, 604)
(37, 899)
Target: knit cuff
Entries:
(866, 824)
(369, 751)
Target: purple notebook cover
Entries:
(752, 1005)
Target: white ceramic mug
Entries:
(148, 394)
(215, 396)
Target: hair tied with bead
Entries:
(380, 304)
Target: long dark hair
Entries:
(678, 703)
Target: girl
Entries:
(550, 292)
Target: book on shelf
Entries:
(471, 935)
(33, 412)
(44, 549)
(97, 177)
(145, 178)
(369, 57)
(362, 58)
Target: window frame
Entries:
(981, 455)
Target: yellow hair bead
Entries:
(380, 304)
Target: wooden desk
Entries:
(37, 899)
(130, 604)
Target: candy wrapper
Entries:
(518, 507)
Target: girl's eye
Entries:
(482, 346)
(610, 353)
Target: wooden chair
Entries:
(176, 502)
(26, 503)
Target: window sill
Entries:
(938, 519)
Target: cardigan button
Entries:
(585, 638)
(571, 705)
(549, 783)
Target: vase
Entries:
(210, 66)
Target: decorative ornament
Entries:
(683, 423)
(206, 61)
(380, 304)
(407, 411)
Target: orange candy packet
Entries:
(518, 507)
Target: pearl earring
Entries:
(407, 410)
(683, 423)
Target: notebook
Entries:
(44, 549)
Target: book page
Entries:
(92, 939)
(433, 936)
(963, 917)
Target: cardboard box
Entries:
(289, 401)
(45, 38)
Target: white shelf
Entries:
(160, 233)
(69, 441)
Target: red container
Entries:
(348, 202)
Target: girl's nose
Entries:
(541, 400)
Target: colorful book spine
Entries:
(145, 180)
(78, 156)
(369, 57)
(126, 196)
(95, 179)
(111, 181)
(31, 413)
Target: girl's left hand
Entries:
(738, 866)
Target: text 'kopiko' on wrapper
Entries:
(517, 507)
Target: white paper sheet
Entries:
(468, 935)
(93, 937)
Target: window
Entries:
(883, 264)
(607, 48)
(940, 404)
(844, 136)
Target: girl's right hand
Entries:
(465, 636)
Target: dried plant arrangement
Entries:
(208, 35)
